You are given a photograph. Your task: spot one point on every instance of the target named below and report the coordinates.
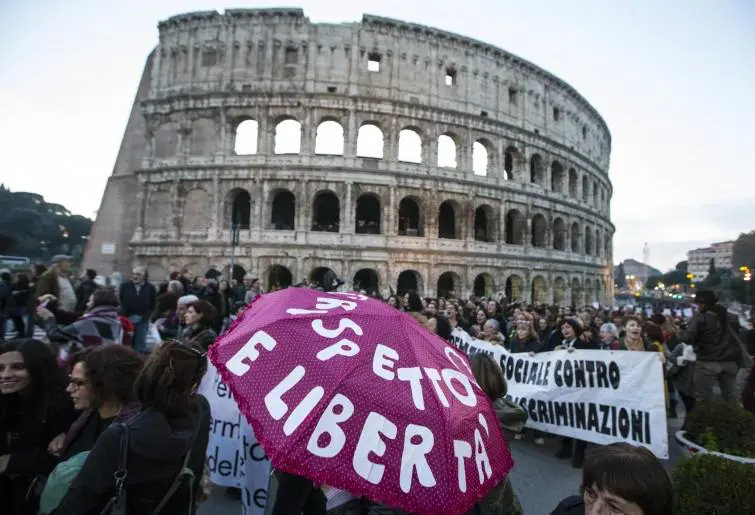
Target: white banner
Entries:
(592, 395)
(234, 457)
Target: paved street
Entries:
(540, 480)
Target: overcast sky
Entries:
(675, 81)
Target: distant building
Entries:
(635, 268)
(699, 259)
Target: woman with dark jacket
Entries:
(199, 318)
(173, 425)
(34, 408)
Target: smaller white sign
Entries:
(108, 249)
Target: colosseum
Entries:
(395, 155)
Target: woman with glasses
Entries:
(165, 440)
(34, 407)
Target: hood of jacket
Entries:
(511, 416)
(158, 437)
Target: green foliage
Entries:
(30, 227)
(669, 279)
(744, 251)
(724, 427)
(712, 267)
(682, 266)
(620, 276)
(711, 485)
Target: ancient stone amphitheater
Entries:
(396, 155)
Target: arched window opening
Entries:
(288, 137)
(585, 189)
(326, 213)
(559, 291)
(509, 161)
(283, 212)
(367, 280)
(329, 139)
(484, 286)
(448, 226)
(409, 218)
(323, 277)
(447, 285)
(408, 281)
(539, 290)
(370, 141)
(573, 193)
(513, 288)
(483, 224)
(278, 278)
(480, 159)
(559, 234)
(368, 215)
(241, 210)
(409, 146)
(515, 225)
(576, 293)
(595, 194)
(589, 293)
(557, 177)
(539, 231)
(588, 241)
(598, 246)
(536, 170)
(574, 237)
(245, 140)
(447, 152)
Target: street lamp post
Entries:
(234, 243)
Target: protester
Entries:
(199, 318)
(138, 300)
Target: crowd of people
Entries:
(108, 404)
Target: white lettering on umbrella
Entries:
(343, 324)
(236, 365)
(414, 457)
(303, 409)
(457, 359)
(462, 451)
(274, 399)
(381, 361)
(414, 376)
(343, 347)
(324, 304)
(484, 471)
(371, 441)
(467, 397)
(329, 425)
(434, 377)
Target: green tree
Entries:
(620, 276)
(653, 281)
(744, 251)
(682, 266)
(712, 267)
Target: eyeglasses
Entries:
(78, 383)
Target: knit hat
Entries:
(575, 324)
(706, 297)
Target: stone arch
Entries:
(367, 279)
(196, 215)
(448, 285)
(573, 183)
(514, 287)
(559, 234)
(481, 157)
(484, 223)
(449, 226)
(595, 193)
(598, 244)
(410, 217)
(288, 136)
(539, 231)
(409, 280)
(448, 150)
(589, 293)
(574, 236)
(483, 285)
(238, 208)
(326, 212)
(166, 140)
(278, 278)
(585, 188)
(322, 276)
(537, 174)
(588, 241)
(159, 210)
(510, 159)
(329, 138)
(515, 226)
(283, 211)
(246, 138)
(607, 247)
(559, 291)
(539, 294)
(370, 141)
(204, 137)
(557, 177)
(409, 145)
(576, 293)
(156, 272)
(367, 213)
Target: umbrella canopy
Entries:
(351, 393)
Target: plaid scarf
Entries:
(100, 326)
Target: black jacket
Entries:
(83, 292)
(710, 339)
(143, 303)
(573, 505)
(157, 449)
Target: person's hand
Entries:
(49, 297)
(57, 444)
(44, 313)
(570, 349)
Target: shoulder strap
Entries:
(122, 471)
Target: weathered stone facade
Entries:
(412, 158)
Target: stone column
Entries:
(350, 134)
(347, 213)
(216, 207)
(390, 211)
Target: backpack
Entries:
(60, 481)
